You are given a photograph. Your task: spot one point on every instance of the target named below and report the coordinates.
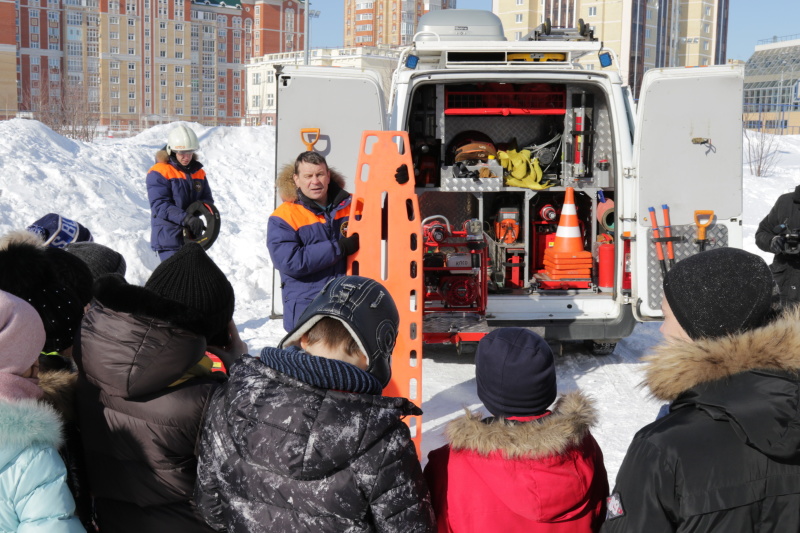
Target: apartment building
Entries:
(643, 33)
(261, 72)
(772, 86)
(386, 22)
(137, 63)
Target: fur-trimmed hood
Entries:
(163, 157)
(750, 381)
(677, 366)
(573, 416)
(25, 423)
(59, 391)
(287, 190)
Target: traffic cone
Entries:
(567, 258)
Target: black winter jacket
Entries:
(139, 432)
(785, 267)
(727, 456)
(280, 455)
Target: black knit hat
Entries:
(193, 279)
(721, 292)
(99, 258)
(515, 373)
(56, 286)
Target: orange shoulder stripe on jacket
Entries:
(169, 172)
(298, 216)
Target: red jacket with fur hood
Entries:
(543, 475)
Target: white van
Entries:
(470, 100)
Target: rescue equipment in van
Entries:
(567, 259)
(523, 171)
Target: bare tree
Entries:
(762, 152)
(66, 110)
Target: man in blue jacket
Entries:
(175, 182)
(307, 234)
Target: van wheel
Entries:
(601, 347)
(466, 348)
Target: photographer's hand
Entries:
(777, 244)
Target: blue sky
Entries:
(749, 22)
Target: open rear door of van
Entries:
(688, 157)
(325, 109)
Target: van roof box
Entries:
(459, 25)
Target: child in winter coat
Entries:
(726, 456)
(301, 440)
(33, 491)
(526, 469)
(144, 385)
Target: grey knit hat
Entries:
(99, 258)
(721, 292)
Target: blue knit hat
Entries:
(515, 372)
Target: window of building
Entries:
(649, 14)
(114, 94)
(256, 100)
(73, 18)
(517, 35)
(289, 26)
(179, 97)
(706, 45)
(163, 82)
(162, 25)
(114, 80)
(113, 35)
(114, 65)
(256, 78)
(115, 109)
(131, 22)
(520, 2)
(131, 66)
(708, 11)
(178, 55)
(593, 11)
(706, 28)
(131, 109)
(518, 18)
(647, 33)
(114, 49)
(131, 51)
(162, 53)
(270, 100)
(131, 36)
(131, 95)
(113, 20)
(131, 80)
(646, 52)
(179, 83)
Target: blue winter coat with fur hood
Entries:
(34, 496)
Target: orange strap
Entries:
(385, 214)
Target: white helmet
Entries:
(182, 138)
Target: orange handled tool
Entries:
(702, 219)
(310, 143)
(668, 235)
(656, 236)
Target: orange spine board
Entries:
(385, 214)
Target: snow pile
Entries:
(102, 186)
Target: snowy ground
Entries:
(101, 185)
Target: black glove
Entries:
(777, 243)
(195, 225)
(401, 174)
(349, 245)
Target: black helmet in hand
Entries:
(368, 312)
